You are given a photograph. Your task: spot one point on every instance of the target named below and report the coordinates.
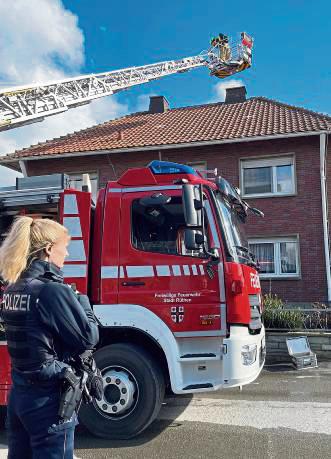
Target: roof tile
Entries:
(257, 116)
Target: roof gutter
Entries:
(162, 147)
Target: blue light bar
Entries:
(166, 167)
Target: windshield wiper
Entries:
(250, 255)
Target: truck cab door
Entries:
(156, 272)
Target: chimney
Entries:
(235, 95)
(158, 104)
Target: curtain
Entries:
(257, 180)
(265, 255)
(288, 257)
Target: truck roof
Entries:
(160, 172)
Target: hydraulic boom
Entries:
(29, 104)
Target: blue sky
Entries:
(62, 38)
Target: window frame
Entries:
(273, 162)
(211, 230)
(194, 164)
(276, 241)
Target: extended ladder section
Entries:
(29, 104)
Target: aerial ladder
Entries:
(29, 104)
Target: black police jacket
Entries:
(45, 321)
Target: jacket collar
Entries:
(42, 268)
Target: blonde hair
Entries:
(25, 242)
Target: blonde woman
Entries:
(46, 324)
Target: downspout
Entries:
(323, 152)
(23, 168)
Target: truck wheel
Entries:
(133, 393)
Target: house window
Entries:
(268, 176)
(278, 257)
(199, 165)
(76, 182)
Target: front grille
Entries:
(255, 304)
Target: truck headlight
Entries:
(248, 354)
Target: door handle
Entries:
(133, 284)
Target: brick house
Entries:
(276, 153)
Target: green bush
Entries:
(319, 306)
(271, 302)
(275, 315)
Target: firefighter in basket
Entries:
(226, 64)
(222, 43)
(50, 331)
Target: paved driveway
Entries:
(284, 414)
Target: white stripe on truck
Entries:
(113, 272)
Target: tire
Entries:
(143, 378)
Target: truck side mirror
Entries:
(193, 239)
(192, 205)
(214, 253)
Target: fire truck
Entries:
(161, 255)
(163, 258)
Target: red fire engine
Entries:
(167, 268)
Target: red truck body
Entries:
(5, 379)
(199, 317)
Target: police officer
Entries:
(46, 325)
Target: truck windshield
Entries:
(233, 231)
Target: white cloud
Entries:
(43, 46)
(7, 176)
(142, 103)
(220, 88)
(36, 37)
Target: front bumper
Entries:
(235, 371)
